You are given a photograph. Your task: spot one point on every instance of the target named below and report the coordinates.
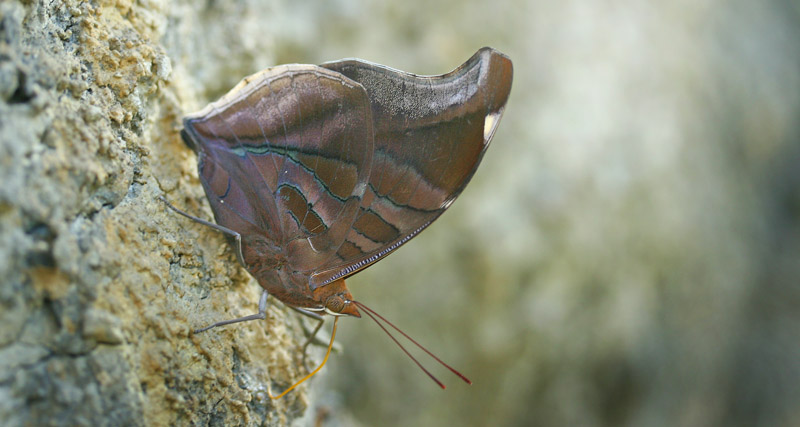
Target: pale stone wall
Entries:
(100, 284)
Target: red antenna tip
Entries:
(372, 314)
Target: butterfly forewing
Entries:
(430, 135)
(288, 152)
(239, 202)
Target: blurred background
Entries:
(628, 253)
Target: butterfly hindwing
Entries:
(430, 135)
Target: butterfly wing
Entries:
(430, 135)
(284, 159)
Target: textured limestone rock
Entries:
(100, 284)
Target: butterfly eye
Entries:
(335, 304)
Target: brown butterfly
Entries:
(316, 172)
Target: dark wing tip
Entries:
(187, 138)
(499, 75)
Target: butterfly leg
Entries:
(310, 338)
(262, 314)
(308, 313)
(311, 335)
(236, 236)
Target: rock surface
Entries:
(101, 284)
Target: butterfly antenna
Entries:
(372, 314)
(333, 335)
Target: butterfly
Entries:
(314, 173)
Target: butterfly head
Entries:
(336, 299)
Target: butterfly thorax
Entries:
(271, 268)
